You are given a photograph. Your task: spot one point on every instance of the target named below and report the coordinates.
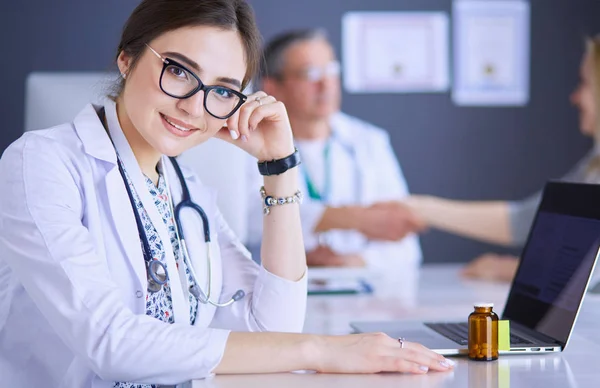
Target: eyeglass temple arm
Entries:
(155, 53)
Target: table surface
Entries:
(439, 293)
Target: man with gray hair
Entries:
(351, 180)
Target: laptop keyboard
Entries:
(459, 333)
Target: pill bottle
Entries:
(483, 333)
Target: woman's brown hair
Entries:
(152, 18)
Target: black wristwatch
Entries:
(279, 166)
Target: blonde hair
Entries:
(592, 54)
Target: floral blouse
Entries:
(160, 304)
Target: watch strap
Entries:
(279, 166)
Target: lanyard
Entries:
(313, 193)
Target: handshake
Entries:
(381, 221)
(387, 221)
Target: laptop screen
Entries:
(557, 261)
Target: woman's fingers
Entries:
(395, 364)
(425, 358)
(258, 106)
(240, 117)
(255, 101)
(232, 126)
(275, 139)
(412, 357)
(269, 106)
(271, 113)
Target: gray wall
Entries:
(467, 153)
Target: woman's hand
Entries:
(260, 127)
(419, 205)
(376, 352)
(323, 256)
(492, 267)
(389, 221)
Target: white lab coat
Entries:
(72, 275)
(364, 171)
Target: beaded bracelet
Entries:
(269, 201)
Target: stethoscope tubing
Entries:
(155, 281)
(186, 202)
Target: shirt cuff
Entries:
(218, 340)
(520, 218)
(279, 304)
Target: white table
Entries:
(439, 293)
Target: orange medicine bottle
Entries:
(483, 333)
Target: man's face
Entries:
(309, 85)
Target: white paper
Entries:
(491, 52)
(395, 52)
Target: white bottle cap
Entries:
(484, 305)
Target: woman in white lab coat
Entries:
(96, 286)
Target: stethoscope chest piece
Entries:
(157, 275)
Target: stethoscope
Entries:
(156, 271)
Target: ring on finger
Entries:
(257, 99)
(402, 341)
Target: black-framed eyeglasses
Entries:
(177, 81)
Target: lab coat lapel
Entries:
(94, 138)
(180, 303)
(124, 222)
(97, 144)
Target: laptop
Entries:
(549, 286)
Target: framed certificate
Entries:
(398, 52)
(491, 52)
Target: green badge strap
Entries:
(503, 335)
(313, 193)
